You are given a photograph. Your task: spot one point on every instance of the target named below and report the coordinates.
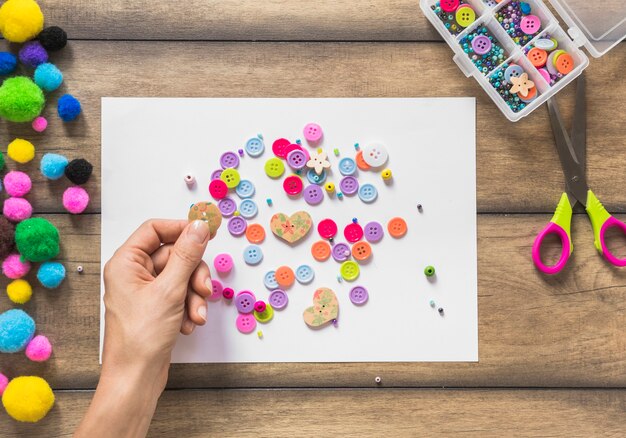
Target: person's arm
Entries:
(155, 287)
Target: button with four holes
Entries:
(269, 280)
(368, 193)
(341, 252)
(537, 57)
(312, 132)
(231, 177)
(248, 208)
(361, 251)
(255, 233)
(375, 155)
(255, 147)
(353, 232)
(274, 167)
(245, 189)
(216, 174)
(397, 227)
(296, 159)
(246, 323)
(320, 250)
(218, 189)
(373, 231)
(285, 276)
(465, 16)
(279, 146)
(530, 24)
(513, 71)
(449, 5)
(223, 263)
(229, 159)
(358, 295)
(313, 194)
(347, 166)
(278, 299)
(237, 225)
(327, 228)
(217, 289)
(253, 254)
(481, 45)
(265, 315)
(293, 185)
(244, 301)
(304, 274)
(349, 270)
(227, 206)
(349, 185)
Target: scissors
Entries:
(572, 153)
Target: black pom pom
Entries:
(53, 38)
(7, 237)
(78, 171)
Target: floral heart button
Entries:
(291, 228)
(207, 212)
(325, 308)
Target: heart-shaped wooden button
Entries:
(291, 228)
(325, 308)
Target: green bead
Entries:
(429, 271)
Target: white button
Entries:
(375, 155)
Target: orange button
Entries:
(285, 276)
(360, 162)
(361, 251)
(564, 63)
(538, 57)
(320, 250)
(255, 233)
(397, 227)
(532, 93)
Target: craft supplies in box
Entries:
(517, 50)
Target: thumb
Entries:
(186, 255)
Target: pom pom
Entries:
(17, 209)
(14, 268)
(21, 151)
(68, 107)
(7, 237)
(51, 274)
(4, 381)
(21, 100)
(39, 349)
(79, 171)
(53, 166)
(48, 77)
(16, 330)
(17, 183)
(19, 291)
(37, 239)
(53, 38)
(75, 199)
(40, 124)
(20, 20)
(28, 398)
(33, 54)
(8, 62)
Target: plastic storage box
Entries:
(597, 25)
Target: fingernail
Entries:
(209, 285)
(198, 231)
(189, 326)
(202, 312)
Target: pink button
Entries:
(313, 132)
(223, 263)
(545, 74)
(353, 232)
(218, 289)
(449, 5)
(246, 323)
(218, 189)
(293, 185)
(530, 24)
(279, 147)
(327, 228)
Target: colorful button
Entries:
(245, 189)
(216, 174)
(368, 193)
(229, 159)
(564, 63)
(228, 293)
(246, 323)
(545, 74)
(349, 270)
(278, 299)
(320, 250)
(248, 208)
(361, 251)
(481, 45)
(312, 132)
(223, 263)
(279, 146)
(373, 231)
(269, 280)
(530, 24)
(227, 206)
(230, 177)
(244, 301)
(217, 289)
(349, 185)
(465, 16)
(375, 155)
(537, 57)
(397, 227)
(218, 189)
(304, 274)
(550, 64)
(255, 233)
(255, 147)
(296, 159)
(266, 315)
(327, 228)
(314, 178)
(347, 166)
(274, 167)
(341, 252)
(293, 185)
(313, 194)
(285, 276)
(237, 225)
(513, 71)
(360, 162)
(253, 255)
(546, 44)
(358, 295)
(449, 5)
(353, 232)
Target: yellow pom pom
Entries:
(19, 291)
(20, 20)
(28, 398)
(21, 150)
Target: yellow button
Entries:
(349, 270)
(274, 167)
(266, 315)
(230, 177)
(465, 16)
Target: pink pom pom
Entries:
(75, 199)
(4, 381)
(17, 183)
(39, 349)
(40, 124)
(14, 268)
(17, 209)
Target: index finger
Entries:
(154, 232)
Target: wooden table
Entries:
(552, 350)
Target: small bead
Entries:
(260, 136)
(440, 310)
(336, 151)
(79, 269)
(339, 278)
(189, 180)
(236, 213)
(298, 141)
(354, 220)
(259, 334)
(429, 271)
(356, 146)
(419, 207)
(378, 380)
(432, 303)
(240, 151)
(330, 187)
(331, 239)
(269, 201)
(340, 195)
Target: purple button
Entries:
(341, 252)
(481, 45)
(244, 301)
(229, 159)
(278, 299)
(227, 206)
(296, 159)
(373, 231)
(237, 225)
(313, 194)
(216, 174)
(358, 295)
(349, 185)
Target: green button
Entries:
(349, 270)
(274, 167)
(266, 315)
(230, 177)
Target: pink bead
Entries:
(260, 306)
(39, 349)
(75, 199)
(40, 124)
(14, 268)
(228, 293)
(4, 381)
(17, 209)
(17, 183)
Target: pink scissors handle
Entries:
(611, 222)
(566, 250)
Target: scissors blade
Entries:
(579, 127)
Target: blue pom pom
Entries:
(8, 62)
(16, 330)
(68, 107)
(51, 274)
(53, 166)
(48, 77)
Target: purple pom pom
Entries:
(32, 54)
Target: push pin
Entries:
(189, 180)
(440, 310)
(356, 146)
(336, 151)
(378, 380)
(240, 151)
(269, 201)
(79, 269)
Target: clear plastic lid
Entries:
(602, 23)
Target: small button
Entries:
(347, 166)
(223, 263)
(349, 270)
(312, 132)
(314, 178)
(248, 208)
(244, 301)
(320, 250)
(296, 159)
(230, 177)
(513, 71)
(537, 57)
(217, 290)
(245, 189)
(274, 168)
(465, 16)
(285, 276)
(246, 323)
(313, 194)
(341, 252)
(375, 155)
(368, 193)
(218, 189)
(349, 185)
(481, 45)
(304, 274)
(353, 232)
(373, 232)
(564, 63)
(278, 299)
(216, 174)
(530, 24)
(269, 280)
(327, 228)
(279, 146)
(255, 233)
(229, 159)
(295, 147)
(293, 185)
(266, 315)
(358, 295)
(253, 255)
(546, 44)
(397, 227)
(449, 5)
(361, 251)
(227, 206)
(360, 162)
(237, 225)
(255, 147)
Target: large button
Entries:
(245, 189)
(279, 146)
(313, 194)
(230, 177)
(530, 24)
(546, 44)
(341, 252)
(327, 228)
(266, 315)
(278, 299)
(253, 254)
(217, 289)
(564, 63)
(349, 270)
(269, 280)
(274, 168)
(293, 185)
(237, 225)
(465, 16)
(375, 155)
(373, 232)
(285, 276)
(347, 166)
(449, 5)
(349, 185)
(368, 193)
(229, 159)
(513, 71)
(312, 132)
(320, 250)
(361, 251)
(360, 162)
(255, 233)
(244, 301)
(296, 159)
(255, 147)
(537, 57)
(246, 323)
(218, 189)
(397, 227)
(481, 45)
(223, 263)
(304, 274)
(248, 208)
(314, 178)
(216, 174)
(227, 206)
(358, 295)
(353, 232)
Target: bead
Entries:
(259, 334)
(419, 207)
(189, 180)
(440, 310)
(339, 278)
(330, 187)
(354, 220)
(386, 174)
(240, 152)
(336, 152)
(79, 269)
(429, 271)
(339, 195)
(378, 380)
(356, 146)
(432, 303)
(269, 201)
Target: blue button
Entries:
(248, 208)
(314, 178)
(270, 280)
(304, 274)
(245, 189)
(255, 147)
(253, 255)
(513, 71)
(368, 193)
(347, 166)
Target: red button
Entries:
(279, 147)
(327, 228)
(353, 232)
(449, 5)
(293, 185)
(218, 189)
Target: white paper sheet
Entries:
(149, 144)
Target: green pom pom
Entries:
(37, 239)
(21, 100)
